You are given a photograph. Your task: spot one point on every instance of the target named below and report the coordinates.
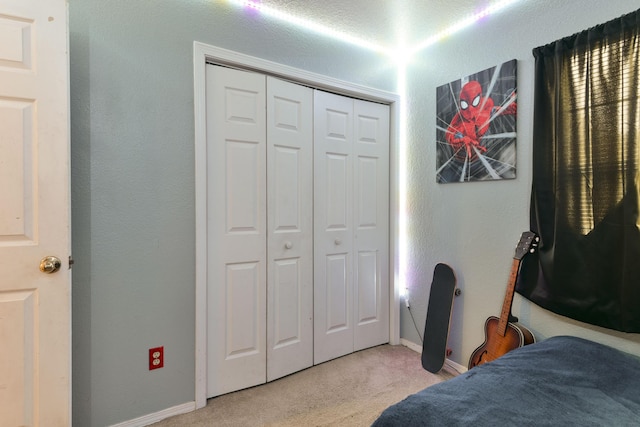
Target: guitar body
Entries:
(500, 335)
(496, 345)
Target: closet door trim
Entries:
(203, 54)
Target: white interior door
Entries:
(237, 230)
(290, 232)
(333, 226)
(371, 223)
(35, 310)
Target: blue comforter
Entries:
(561, 381)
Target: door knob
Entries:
(288, 245)
(50, 264)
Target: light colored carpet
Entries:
(350, 391)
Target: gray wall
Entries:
(133, 182)
(133, 185)
(475, 226)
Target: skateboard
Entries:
(436, 329)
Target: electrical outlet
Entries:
(156, 358)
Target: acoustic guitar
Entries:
(503, 335)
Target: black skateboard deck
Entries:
(436, 329)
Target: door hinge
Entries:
(71, 261)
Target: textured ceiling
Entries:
(387, 23)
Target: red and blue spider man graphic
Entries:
(478, 142)
(467, 128)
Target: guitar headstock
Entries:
(527, 244)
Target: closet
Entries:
(297, 227)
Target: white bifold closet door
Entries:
(298, 237)
(260, 237)
(351, 225)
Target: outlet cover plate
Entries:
(156, 358)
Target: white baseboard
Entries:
(413, 346)
(454, 368)
(158, 416)
(449, 365)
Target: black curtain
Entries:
(584, 200)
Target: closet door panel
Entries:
(333, 226)
(242, 296)
(285, 300)
(290, 228)
(371, 230)
(236, 227)
(368, 309)
(337, 290)
(337, 206)
(242, 193)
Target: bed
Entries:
(560, 381)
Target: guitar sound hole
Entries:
(480, 361)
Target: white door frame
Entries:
(203, 54)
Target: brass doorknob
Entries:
(50, 264)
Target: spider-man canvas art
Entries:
(476, 126)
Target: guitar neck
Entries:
(508, 298)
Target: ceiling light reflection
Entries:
(496, 7)
(399, 56)
(311, 25)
